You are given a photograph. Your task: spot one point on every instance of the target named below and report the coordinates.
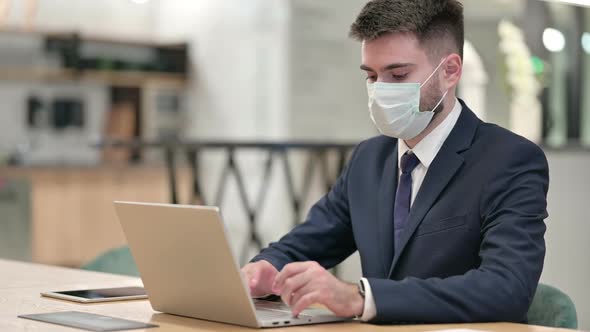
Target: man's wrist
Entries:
(369, 309)
(358, 301)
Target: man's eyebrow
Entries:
(366, 68)
(388, 67)
(397, 65)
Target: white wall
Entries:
(328, 93)
(121, 18)
(238, 53)
(567, 264)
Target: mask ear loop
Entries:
(434, 72)
(440, 102)
(429, 77)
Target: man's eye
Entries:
(399, 77)
(371, 79)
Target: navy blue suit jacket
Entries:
(473, 248)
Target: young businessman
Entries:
(446, 211)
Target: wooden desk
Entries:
(21, 283)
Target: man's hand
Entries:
(261, 276)
(303, 284)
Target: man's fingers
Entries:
(304, 302)
(253, 276)
(293, 285)
(288, 271)
(301, 292)
(253, 283)
(267, 275)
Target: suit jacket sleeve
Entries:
(325, 237)
(512, 209)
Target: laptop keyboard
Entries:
(274, 309)
(271, 305)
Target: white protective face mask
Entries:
(395, 108)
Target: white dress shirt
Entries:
(426, 151)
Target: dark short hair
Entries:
(437, 24)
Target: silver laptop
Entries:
(188, 269)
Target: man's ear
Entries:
(452, 70)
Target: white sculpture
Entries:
(474, 81)
(526, 116)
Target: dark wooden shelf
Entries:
(114, 78)
(111, 77)
(91, 38)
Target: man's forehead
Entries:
(400, 47)
(393, 38)
(392, 51)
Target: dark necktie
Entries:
(403, 197)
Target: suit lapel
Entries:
(385, 202)
(440, 173)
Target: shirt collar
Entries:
(427, 149)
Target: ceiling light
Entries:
(586, 42)
(554, 40)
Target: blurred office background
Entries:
(253, 106)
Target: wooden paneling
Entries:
(73, 219)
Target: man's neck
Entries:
(438, 118)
